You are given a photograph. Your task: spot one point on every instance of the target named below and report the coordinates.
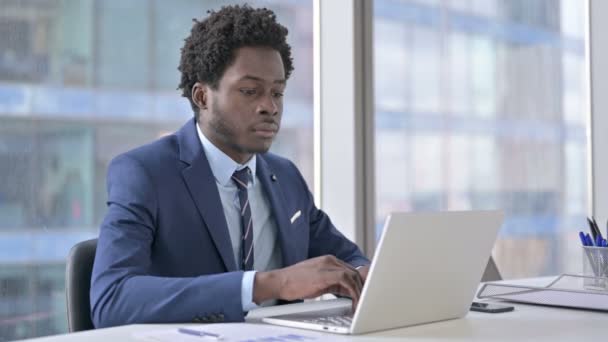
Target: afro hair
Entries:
(210, 48)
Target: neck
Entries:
(234, 154)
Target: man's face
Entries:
(243, 115)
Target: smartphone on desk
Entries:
(490, 307)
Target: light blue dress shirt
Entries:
(266, 250)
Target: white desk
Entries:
(526, 323)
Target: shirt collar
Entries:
(221, 164)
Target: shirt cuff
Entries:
(247, 291)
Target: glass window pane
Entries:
(460, 65)
(394, 88)
(492, 115)
(124, 62)
(425, 70)
(80, 82)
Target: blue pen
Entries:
(599, 242)
(581, 235)
(592, 229)
(200, 333)
(589, 240)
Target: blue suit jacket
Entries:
(164, 252)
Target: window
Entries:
(80, 82)
(481, 105)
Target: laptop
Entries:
(426, 268)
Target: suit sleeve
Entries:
(122, 289)
(325, 238)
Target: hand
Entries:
(309, 279)
(363, 270)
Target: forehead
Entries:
(259, 62)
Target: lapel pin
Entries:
(273, 177)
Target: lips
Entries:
(267, 130)
(266, 126)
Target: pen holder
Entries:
(595, 268)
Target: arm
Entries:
(325, 239)
(122, 289)
(309, 279)
(329, 269)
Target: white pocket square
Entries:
(296, 215)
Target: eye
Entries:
(277, 94)
(248, 91)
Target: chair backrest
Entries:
(78, 283)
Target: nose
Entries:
(268, 105)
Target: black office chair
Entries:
(78, 283)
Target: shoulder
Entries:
(284, 169)
(154, 155)
(278, 163)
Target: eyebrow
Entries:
(259, 79)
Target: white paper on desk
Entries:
(241, 332)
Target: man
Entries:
(205, 224)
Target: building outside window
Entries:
(480, 104)
(80, 82)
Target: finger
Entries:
(354, 296)
(347, 280)
(363, 271)
(359, 280)
(344, 291)
(351, 285)
(355, 273)
(340, 283)
(356, 278)
(338, 262)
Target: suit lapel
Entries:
(277, 202)
(201, 184)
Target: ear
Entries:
(199, 95)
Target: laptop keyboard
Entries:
(339, 321)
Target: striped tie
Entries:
(241, 178)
